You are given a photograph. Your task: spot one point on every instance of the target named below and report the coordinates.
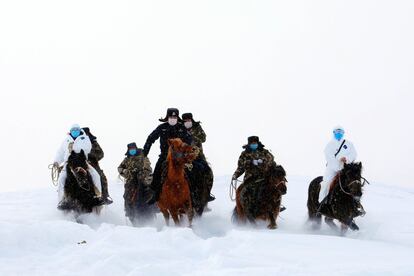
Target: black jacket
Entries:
(165, 132)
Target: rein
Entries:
(233, 189)
(77, 170)
(349, 184)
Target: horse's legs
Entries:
(166, 216)
(174, 215)
(344, 229)
(272, 224)
(190, 213)
(331, 223)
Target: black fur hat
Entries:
(253, 139)
(171, 112)
(90, 135)
(133, 146)
(189, 116)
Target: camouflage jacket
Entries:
(199, 137)
(246, 163)
(139, 164)
(96, 153)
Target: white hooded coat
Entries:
(82, 142)
(334, 163)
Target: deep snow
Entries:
(35, 239)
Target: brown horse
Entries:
(261, 199)
(175, 198)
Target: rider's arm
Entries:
(151, 139)
(96, 152)
(241, 166)
(350, 153)
(332, 163)
(202, 135)
(122, 167)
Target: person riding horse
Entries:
(254, 161)
(338, 152)
(94, 157)
(199, 137)
(137, 172)
(76, 140)
(171, 128)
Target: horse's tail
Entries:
(313, 197)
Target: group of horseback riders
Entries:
(255, 162)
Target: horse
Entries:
(135, 197)
(343, 202)
(262, 198)
(80, 193)
(175, 197)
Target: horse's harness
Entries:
(351, 183)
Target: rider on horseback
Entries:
(76, 140)
(135, 162)
(199, 137)
(254, 160)
(338, 152)
(171, 128)
(94, 157)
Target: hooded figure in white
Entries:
(76, 140)
(337, 153)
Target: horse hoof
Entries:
(272, 227)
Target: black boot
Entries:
(211, 197)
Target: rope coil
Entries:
(54, 174)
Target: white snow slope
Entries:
(35, 239)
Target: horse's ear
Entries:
(360, 165)
(169, 142)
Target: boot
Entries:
(211, 198)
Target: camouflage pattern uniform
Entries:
(251, 171)
(139, 164)
(254, 175)
(199, 137)
(94, 157)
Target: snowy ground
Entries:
(35, 239)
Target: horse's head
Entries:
(277, 177)
(180, 152)
(351, 180)
(78, 166)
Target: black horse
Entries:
(201, 181)
(136, 195)
(343, 201)
(261, 198)
(80, 194)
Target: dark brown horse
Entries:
(80, 193)
(261, 198)
(175, 198)
(343, 202)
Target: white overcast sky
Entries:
(287, 71)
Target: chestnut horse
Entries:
(175, 197)
(262, 198)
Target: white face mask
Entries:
(172, 121)
(188, 124)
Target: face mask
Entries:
(188, 124)
(254, 147)
(338, 136)
(132, 152)
(172, 121)
(75, 133)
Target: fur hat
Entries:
(189, 116)
(133, 146)
(171, 112)
(88, 132)
(253, 139)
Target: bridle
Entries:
(351, 183)
(84, 172)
